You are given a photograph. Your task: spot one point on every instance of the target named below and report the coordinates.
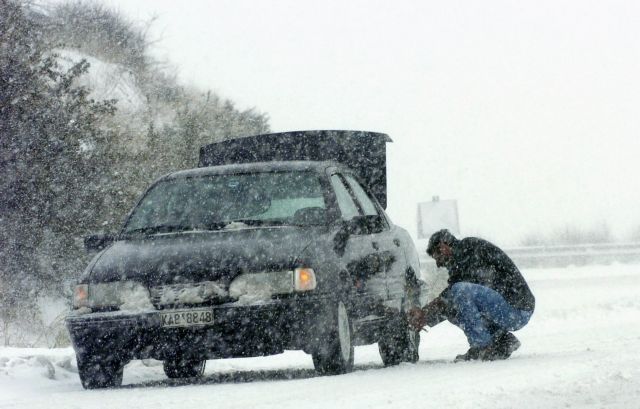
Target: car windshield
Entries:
(229, 201)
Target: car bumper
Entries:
(236, 331)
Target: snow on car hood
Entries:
(202, 256)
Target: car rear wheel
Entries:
(335, 355)
(96, 374)
(183, 368)
(400, 343)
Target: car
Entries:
(276, 242)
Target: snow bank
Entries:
(33, 364)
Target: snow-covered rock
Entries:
(106, 80)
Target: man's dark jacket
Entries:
(479, 262)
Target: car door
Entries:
(386, 239)
(360, 255)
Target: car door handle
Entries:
(375, 245)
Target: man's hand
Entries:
(416, 318)
(433, 313)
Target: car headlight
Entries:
(121, 294)
(262, 286)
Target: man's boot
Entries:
(474, 354)
(504, 346)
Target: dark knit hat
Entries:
(441, 236)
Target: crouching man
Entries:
(487, 297)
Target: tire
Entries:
(399, 344)
(97, 374)
(335, 356)
(183, 368)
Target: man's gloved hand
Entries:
(416, 318)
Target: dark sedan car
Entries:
(247, 260)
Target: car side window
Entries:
(367, 204)
(345, 202)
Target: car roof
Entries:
(258, 167)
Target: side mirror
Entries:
(97, 242)
(341, 237)
(355, 226)
(366, 224)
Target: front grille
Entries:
(202, 293)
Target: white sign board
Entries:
(436, 215)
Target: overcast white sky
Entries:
(527, 113)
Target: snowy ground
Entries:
(581, 349)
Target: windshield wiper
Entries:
(160, 228)
(257, 222)
(174, 228)
(219, 225)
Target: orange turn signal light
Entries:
(304, 279)
(81, 296)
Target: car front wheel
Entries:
(400, 343)
(335, 355)
(97, 374)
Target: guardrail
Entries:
(565, 255)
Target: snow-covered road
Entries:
(581, 349)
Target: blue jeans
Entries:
(481, 312)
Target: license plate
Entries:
(186, 318)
